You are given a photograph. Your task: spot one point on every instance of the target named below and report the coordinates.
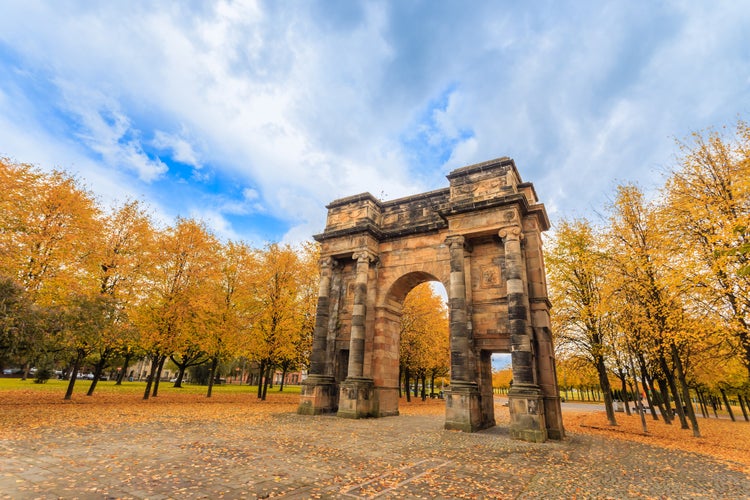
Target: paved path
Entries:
(294, 456)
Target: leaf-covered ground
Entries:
(27, 410)
(720, 438)
(234, 445)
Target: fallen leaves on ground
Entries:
(722, 439)
(24, 413)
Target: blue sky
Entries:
(254, 115)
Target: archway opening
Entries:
(387, 369)
(424, 343)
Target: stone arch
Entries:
(386, 338)
(481, 238)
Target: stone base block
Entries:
(319, 396)
(527, 413)
(553, 418)
(463, 409)
(386, 402)
(356, 398)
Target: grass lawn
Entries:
(104, 387)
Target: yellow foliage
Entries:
(424, 342)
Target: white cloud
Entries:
(310, 102)
(107, 131)
(181, 150)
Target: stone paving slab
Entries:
(296, 457)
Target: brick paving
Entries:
(290, 456)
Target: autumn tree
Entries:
(124, 249)
(86, 320)
(25, 328)
(708, 202)
(48, 225)
(47, 232)
(501, 379)
(649, 275)
(299, 356)
(578, 274)
(170, 314)
(280, 309)
(229, 312)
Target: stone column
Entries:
(462, 405)
(318, 390)
(355, 399)
(459, 331)
(525, 397)
(359, 309)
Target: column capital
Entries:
(511, 233)
(455, 240)
(326, 263)
(364, 255)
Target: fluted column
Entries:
(320, 334)
(459, 332)
(518, 325)
(359, 311)
(463, 410)
(525, 401)
(356, 397)
(319, 389)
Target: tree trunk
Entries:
(424, 386)
(407, 388)
(211, 375)
(98, 369)
(648, 382)
(186, 361)
(702, 403)
(266, 380)
(685, 392)
(639, 404)
(124, 368)
(180, 376)
(284, 369)
(400, 376)
(604, 384)
(151, 374)
(726, 402)
(713, 406)
(649, 397)
(742, 406)
(261, 371)
(675, 393)
(80, 354)
(664, 406)
(624, 390)
(157, 378)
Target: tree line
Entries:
(655, 297)
(83, 285)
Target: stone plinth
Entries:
(463, 409)
(318, 396)
(356, 398)
(526, 406)
(386, 402)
